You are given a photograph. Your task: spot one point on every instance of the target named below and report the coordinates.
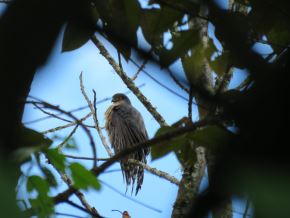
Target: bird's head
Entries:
(126, 214)
(119, 97)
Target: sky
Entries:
(57, 82)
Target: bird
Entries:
(125, 214)
(126, 128)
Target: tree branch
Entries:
(67, 125)
(128, 82)
(94, 113)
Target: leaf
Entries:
(163, 148)
(43, 205)
(56, 158)
(182, 41)
(157, 21)
(193, 63)
(83, 178)
(221, 63)
(121, 19)
(30, 137)
(211, 137)
(49, 176)
(37, 183)
(76, 34)
(31, 141)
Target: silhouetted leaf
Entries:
(211, 137)
(193, 63)
(76, 35)
(157, 21)
(31, 142)
(221, 63)
(165, 147)
(182, 41)
(83, 178)
(121, 19)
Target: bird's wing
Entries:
(127, 125)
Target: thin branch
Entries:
(130, 198)
(160, 83)
(68, 215)
(78, 193)
(84, 158)
(67, 125)
(79, 108)
(155, 171)
(128, 82)
(87, 131)
(93, 111)
(50, 114)
(190, 98)
(81, 208)
(246, 209)
(60, 146)
(139, 70)
(177, 81)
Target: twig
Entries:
(79, 108)
(160, 83)
(78, 193)
(155, 171)
(93, 111)
(87, 131)
(246, 209)
(84, 158)
(129, 82)
(139, 70)
(177, 81)
(130, 198)
(67, 125)
(60, 146)
(190, 98)
(68, 215)
(81, 208)
(50, 114)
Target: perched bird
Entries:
(125, 127)
(125, 214)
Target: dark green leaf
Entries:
(121, 19)
(56, 158)
(83, 178)
(37, 183)
(76, 34)
(193, 63)
(164, 148)
(221, 63)
(30, 137)
(157, 21)
(43, 205)
(211, 137)
(182, 41)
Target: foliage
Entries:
(177, 31)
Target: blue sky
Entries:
(58, 83)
